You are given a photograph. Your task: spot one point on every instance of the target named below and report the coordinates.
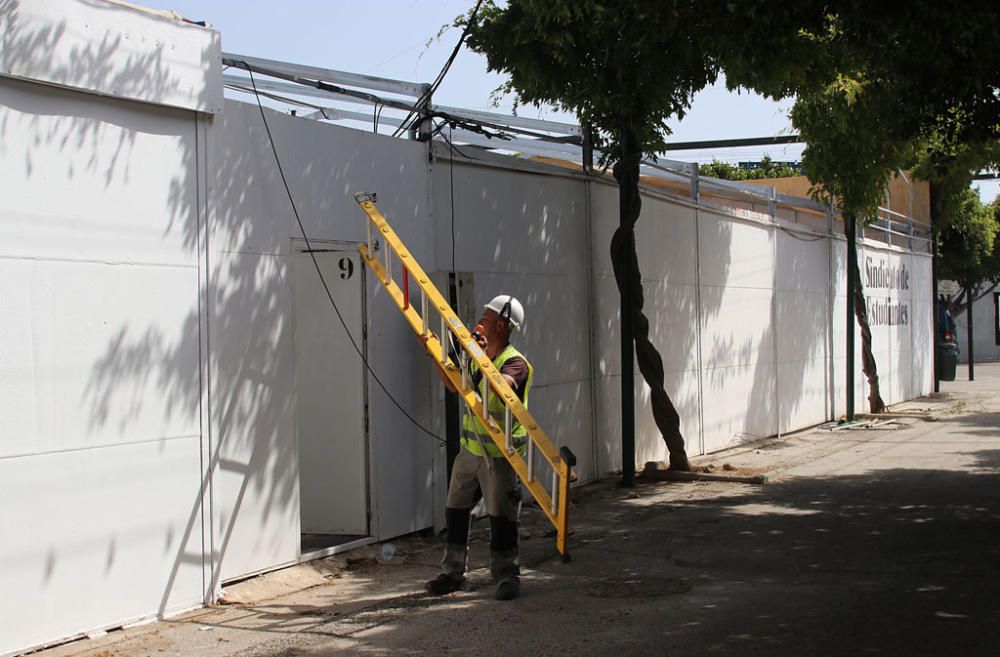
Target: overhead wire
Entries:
(322, 279)
(424, 97)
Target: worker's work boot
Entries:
(444, 584)
(508, 588)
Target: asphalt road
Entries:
(881, 541)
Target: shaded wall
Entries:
(525, 233)
(985, 334)
(101, 462)
(101, 466)
(256, 519)
(747, 313)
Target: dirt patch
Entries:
(637, 587)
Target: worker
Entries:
(480, 465)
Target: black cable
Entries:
(801, 239)
(424, 97)
(455, 148)
(322, 280)
(451, 178)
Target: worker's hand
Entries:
(479, 335)
(480, 340)
(424, 338)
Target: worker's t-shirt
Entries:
(517, 369)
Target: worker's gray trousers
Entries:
(502, 493)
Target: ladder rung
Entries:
(531, 461)
(507, 429)
(423, 309)
(485, 395)
(555, 492)
(444, 348)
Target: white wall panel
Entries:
(94, 538)
(739, 404)
(255, 462)
(682, 387)
(563, 412)
(507, 221)
(803, 326)
(922, 355)
(99, 360)
(111, 49)
(605, 218)
(804, 393)
(76, 183)
(984, 323)
(803, 263)
(664, 237)
(670, 310)
(554, 336)
(740, 331)
(735, 254)
(324, 166)
(683, 390)
(96, 354)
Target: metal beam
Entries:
(402, 87)
(517, 121)
(732, 143)
(520, 145)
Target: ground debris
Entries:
(865, 423)
(660, 471)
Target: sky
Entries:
(403, 40)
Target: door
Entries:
(330, 391)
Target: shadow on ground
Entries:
(893, 562)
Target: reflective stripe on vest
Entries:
(471, 424)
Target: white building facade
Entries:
(183, 406)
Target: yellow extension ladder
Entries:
(553, 500)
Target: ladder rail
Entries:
(555, 502)
(494, 378)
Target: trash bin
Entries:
(947, 360)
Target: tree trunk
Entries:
(969, 331)
(627, 276)
(875, 403)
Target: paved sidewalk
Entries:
(882, 541)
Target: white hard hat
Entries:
(508, 308)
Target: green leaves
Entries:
(614, 63)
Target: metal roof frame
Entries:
(490, 130)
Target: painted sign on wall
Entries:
(879, 275)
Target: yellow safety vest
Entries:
(471, 425)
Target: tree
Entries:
(970, 249)
(766, 168)
(878, 88)
(623, 68)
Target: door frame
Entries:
(299, 247)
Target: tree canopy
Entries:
(613, 64)
(766, 168)
(878, 86)
(970, 246)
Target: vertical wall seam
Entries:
(593, 322)
(199, 219)
(774, 324)
(698, 332)
(203, 208)
(439, 454)
(831, 304)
